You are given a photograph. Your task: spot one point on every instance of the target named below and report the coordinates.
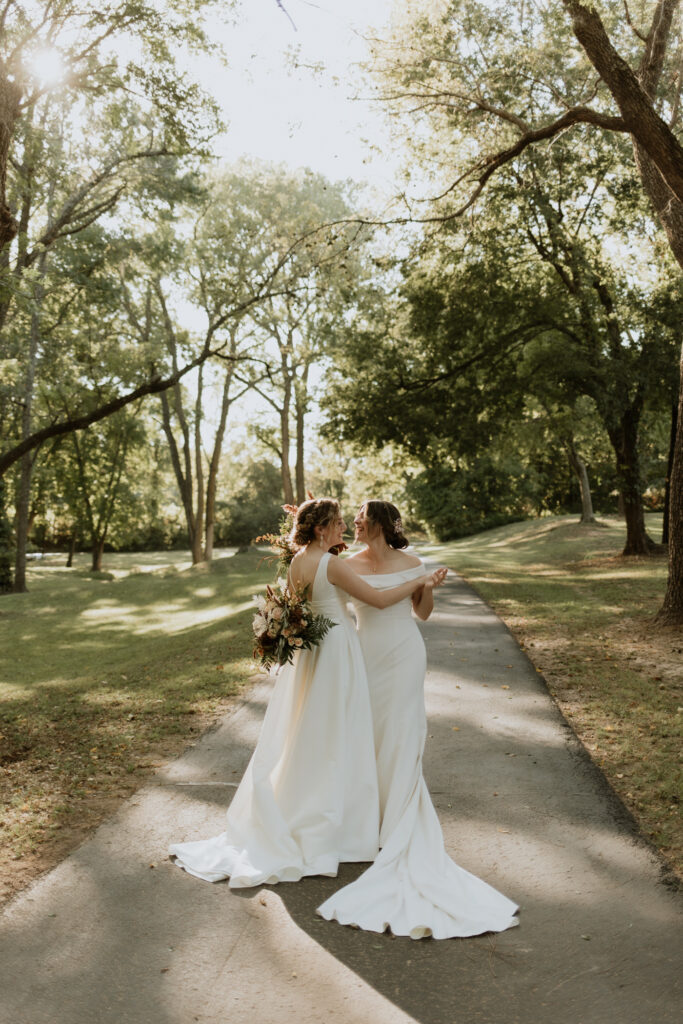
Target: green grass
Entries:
(100, 674)
(585, 615)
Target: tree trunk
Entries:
(579, 467)
(287, 489)
(184, 484)
(97, 552)
(671, 612)
(632, 96)
(72, 551)
(10, 98)
(199, 465)
(668, 208)
(5, 545)
(300, 411)
(624, 440)
(212, 480)
(669, 470)
(27, 461)
(23, 506)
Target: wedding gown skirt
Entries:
(413, 888)
(308, 799)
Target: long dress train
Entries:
(308, 799)
(413, 888)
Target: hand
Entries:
(437, 578)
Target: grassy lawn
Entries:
(584, 615)
(103, 676)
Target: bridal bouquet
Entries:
(285, 624)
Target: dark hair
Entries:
(388, 518)
(316, 512)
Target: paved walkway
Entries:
(117, 935)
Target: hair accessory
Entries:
(398, 525)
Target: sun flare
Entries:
(47, 66)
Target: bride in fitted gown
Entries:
(308, 799)
(413, 888)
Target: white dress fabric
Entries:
(308, 799)
(413, 888)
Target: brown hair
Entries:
(388, 518)
(316, 512)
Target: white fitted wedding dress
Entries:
(414, 888)
(308, 799)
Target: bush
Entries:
(457, 502)
(254, 508)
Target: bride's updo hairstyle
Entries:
(388, 518)
(316, 512)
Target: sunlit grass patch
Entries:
(99, 679)
(585, 614)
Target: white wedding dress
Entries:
(413, 888)
(308, 799)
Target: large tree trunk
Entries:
(669, 208)
(624, 438)
(669, 471)
(671, 612)
(97, 552)
(579, 467)
(633, 94)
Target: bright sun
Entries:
(47, 66)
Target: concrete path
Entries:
(118, 935)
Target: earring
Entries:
(321, 541)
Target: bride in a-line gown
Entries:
(413, 887)
(308, 799)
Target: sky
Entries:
(295, 115)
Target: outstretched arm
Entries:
(344, 577)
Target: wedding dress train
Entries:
(308, 799)
(413, 887)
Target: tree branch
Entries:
(648, 129)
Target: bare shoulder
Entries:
(409, 561)
(357, 562)
(302, 569)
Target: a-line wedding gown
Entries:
(414, 887)
(308, 799)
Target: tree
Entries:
(513, 308)
(499, 85)
(316, 287)
(101, 57)
(96, 482)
